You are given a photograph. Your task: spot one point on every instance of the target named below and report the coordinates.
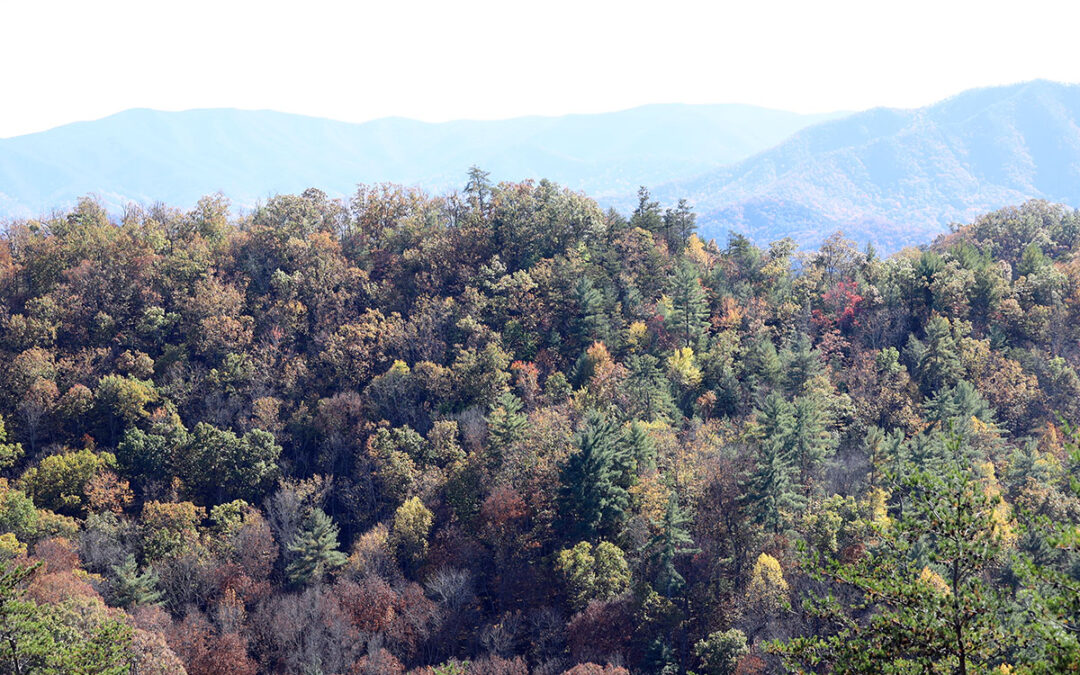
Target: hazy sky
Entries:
(68, 61)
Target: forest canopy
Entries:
(502, 431)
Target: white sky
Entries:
(67, 61)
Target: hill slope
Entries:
(146, 155)
(897, 177)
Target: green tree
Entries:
(217, 465)
(9, 452)
(719, 652)
(315, 550)
(506, 423)
(679, 224)
(41, 638)
(591, 500)
(647, 214)
(130, 588)
(593, 321)
(689, 315)
(922, 597)
(771, 490)
(59, 482)
(649, 391)
(671, 540)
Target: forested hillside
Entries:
(501, 431)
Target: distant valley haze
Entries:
(888, 176)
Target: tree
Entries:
(129, 588)
(9, 452)
(506, 423)
(648, 390)
(593, 323)
(767, 590)
(647, 215)
(409, 532)
(315, 550)
(59, 482)
(40, 638)
(217, 465)
(921, 597)
(771, 490)
(593, 573)
(591, 500)
(670, 541)
(719, 652)
(679, 224)
(688, 318)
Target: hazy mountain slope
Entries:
(146, 156)
(895, 177)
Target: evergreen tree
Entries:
(761, 363)
(671, 541)
(679, 224)
(921, 599)
(647, 215)
(315, 550)
(812, 443)
(689, 315)
(801, 363)
(937, 358)
(590, 498)
(594, 323)
(640, 446)
(957, 406)
(771, 489)
(506, 423)
(648, 389)
(129, 588)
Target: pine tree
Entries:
(591, 499)
(801, 363)
(506, 423)
(958, 405)
(594, 322)
(811, 441)
(640, 446)
(315, 549)
(129, 588)
(922, 598)
(679, 224)
(670, 541)
(647, 215)
(648, 388)
(689, 315)
(771, 488)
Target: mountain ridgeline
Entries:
(145, 156)
(890, 177)
(898, 177)
(504, 431)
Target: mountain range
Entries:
(888, 176)
(176, 157)
(897, 177)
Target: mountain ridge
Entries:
(899, 176)
(144, 155)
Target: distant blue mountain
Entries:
(897, 177)
(146, 156)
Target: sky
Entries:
(68, 61)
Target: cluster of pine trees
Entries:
(500, 431)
